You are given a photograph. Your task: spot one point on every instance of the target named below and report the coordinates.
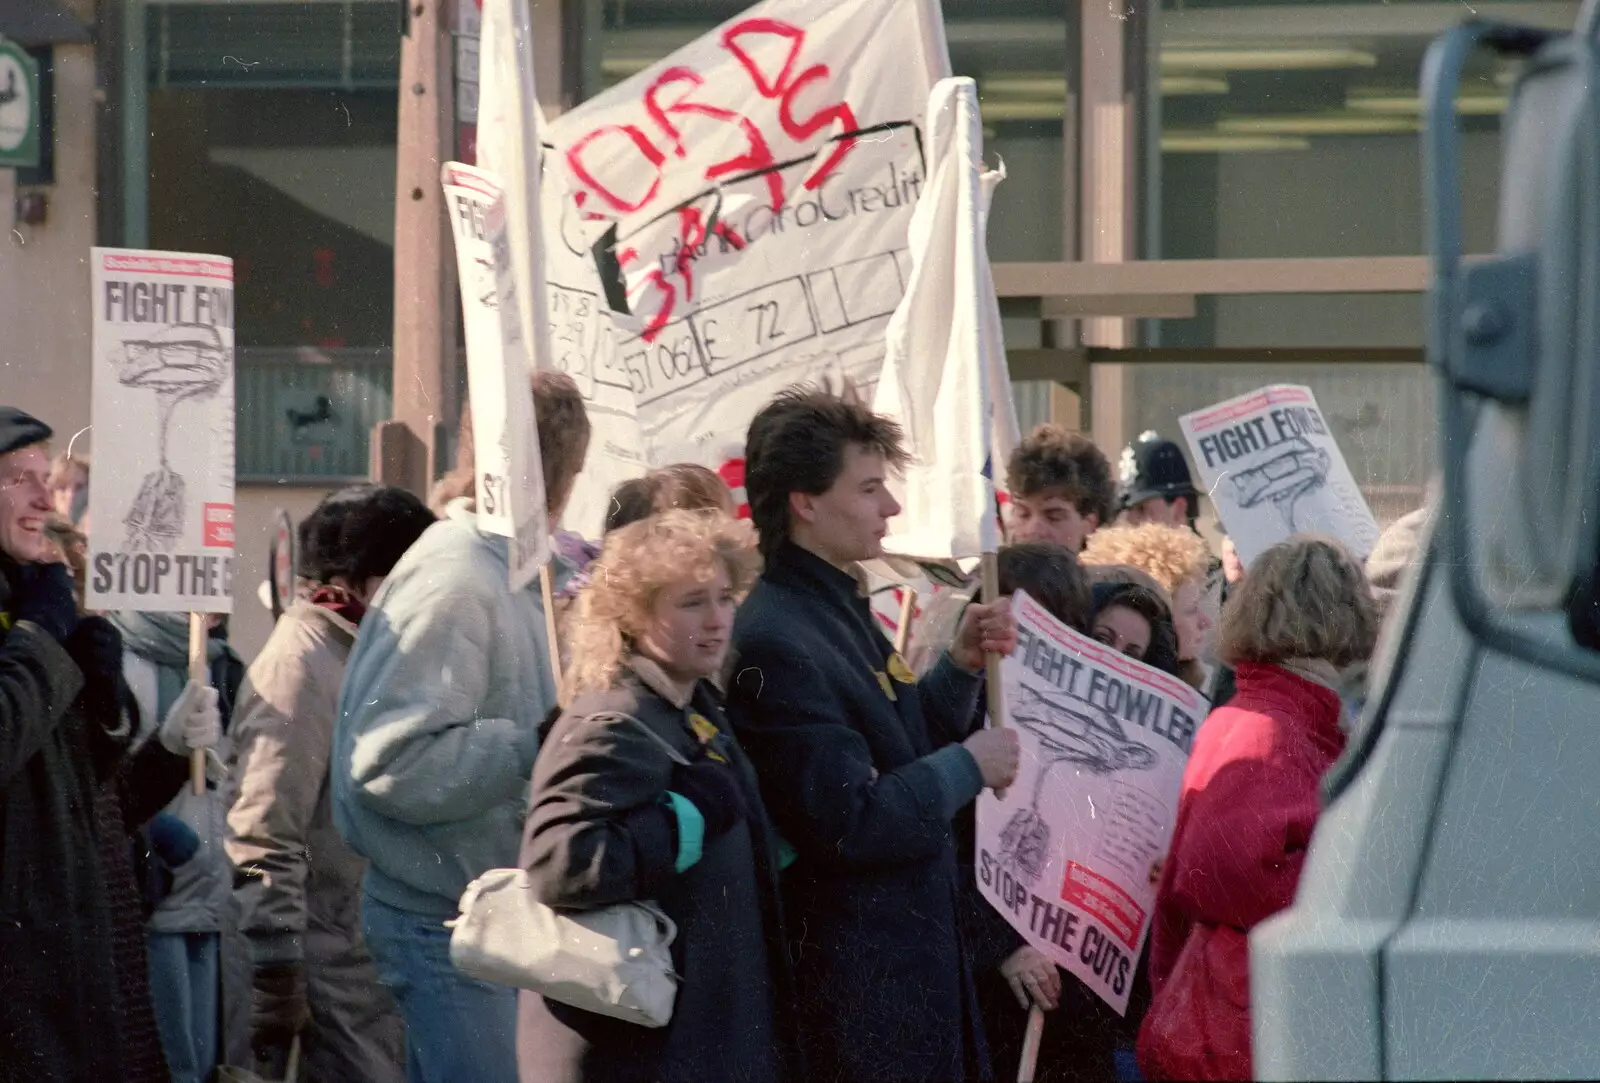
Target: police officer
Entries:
(1156, 485)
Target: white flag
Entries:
(559, 293)
(508, 474)
(944, 370)
(750, 197)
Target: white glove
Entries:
(193, 722)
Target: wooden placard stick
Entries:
(902, 631)
(547, 596)
(199, 670)
(1029, 1064)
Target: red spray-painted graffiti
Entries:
(635, 172)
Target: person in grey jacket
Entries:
(432, 751)
(184, 937)
(642, 794)
(296, 884)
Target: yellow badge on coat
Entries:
(706, 730)
(899, 670)
(884, 683)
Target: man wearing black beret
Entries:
(62, 732)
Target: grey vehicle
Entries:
(1447, 924)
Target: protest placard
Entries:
(1271, 465)
(509, 478)
(1068, 855)
(161, 493)
(747, 201)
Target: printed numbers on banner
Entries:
(570, 350)
(768, 329)
(676, 360)
(637, 363)
(494, 494)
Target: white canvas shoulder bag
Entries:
(616, 961)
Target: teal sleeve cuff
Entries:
(786, 854)
(691, 831)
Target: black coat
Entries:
(862, 773)
(59, 999)
(600, 833)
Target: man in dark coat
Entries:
(862, 767)
(62, 732)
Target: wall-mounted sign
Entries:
(19, 107)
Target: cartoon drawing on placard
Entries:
(181, 361)
(1284, 479)
(1076, 733)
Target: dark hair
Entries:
(360, 532)
(564, 431)
(1055, 462)
(686, 486)
(796, 445)
(1162, 653)
(631, 501)
(1051, 576)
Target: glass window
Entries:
(273, 131)
(1292, 130)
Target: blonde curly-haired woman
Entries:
(1177, 559)
(614, 819)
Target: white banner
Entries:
(944, 373)
(161, 492)
(1070, 857)
(579, 336)
(749, 199)
(509, 477)
(1273, 468)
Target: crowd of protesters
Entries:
(726, 733)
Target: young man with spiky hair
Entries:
(862, 766)
(1061, 488)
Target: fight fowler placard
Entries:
(1272, 468)
(161, 493)
(1070, 855)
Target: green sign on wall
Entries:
(19, 107)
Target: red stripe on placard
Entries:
(189, 268)
(732, 474)
(1272, 396)
(1115, 908)
(1106, 658)
(462, 179)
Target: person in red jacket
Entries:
(1250, 801)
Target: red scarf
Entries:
(340, 601)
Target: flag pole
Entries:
(547, 596)
(199, 671)
(991, 594)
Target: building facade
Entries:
(1196, 130)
